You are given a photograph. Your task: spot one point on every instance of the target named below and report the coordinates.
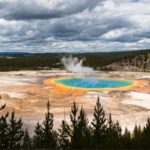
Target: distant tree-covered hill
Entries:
(137, 63)
(127, 60)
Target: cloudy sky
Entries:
(74, 25)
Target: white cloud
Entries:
(80, 25)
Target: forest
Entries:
(98, 61)
(102, 133)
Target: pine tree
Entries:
(99, 126)
(113, 134)
(49, 135)
(146, 135)
(64, 136)
(38, 136)
(2, 106)
(126, 140)
(4, 137)
(27, 141)
(137, 137)
(15, 132)
(73, 118)
(73, 115)
(83, 131)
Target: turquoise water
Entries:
(92, 83)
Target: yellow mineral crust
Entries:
(60, 88)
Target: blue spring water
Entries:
(93, 83)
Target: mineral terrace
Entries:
(27, 92)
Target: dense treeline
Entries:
(138, 63)
(29, 63)
(101, 133)
(21, 61)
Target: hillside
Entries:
(127, 60)
(137, 63)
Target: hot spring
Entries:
(94, 83)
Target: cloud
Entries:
(74, 26)
(44, 9)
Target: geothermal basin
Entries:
(125, 94)
(93, 83)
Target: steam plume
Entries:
(73, 64)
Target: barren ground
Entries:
(24, 92)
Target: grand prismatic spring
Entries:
(124, 94)
(94, 83)
(82, 84)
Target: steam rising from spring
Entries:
(73, 64)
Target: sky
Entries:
(74, 25)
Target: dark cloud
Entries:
(67, 25)
(46, 9)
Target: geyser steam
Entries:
(73, 64)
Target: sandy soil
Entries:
(24, 92)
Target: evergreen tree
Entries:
(38, 136)
(126, 139)
(73, 115)
(99, 126)
(83, 131)
(113, 134)
(64, 136)
(101, 135)
(2, 106)
(27, 141)
(137, 137)
(49, 135)
(4, 137)
(73, 118)
(146, 135)
(15, 132)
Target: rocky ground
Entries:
(24, 92)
